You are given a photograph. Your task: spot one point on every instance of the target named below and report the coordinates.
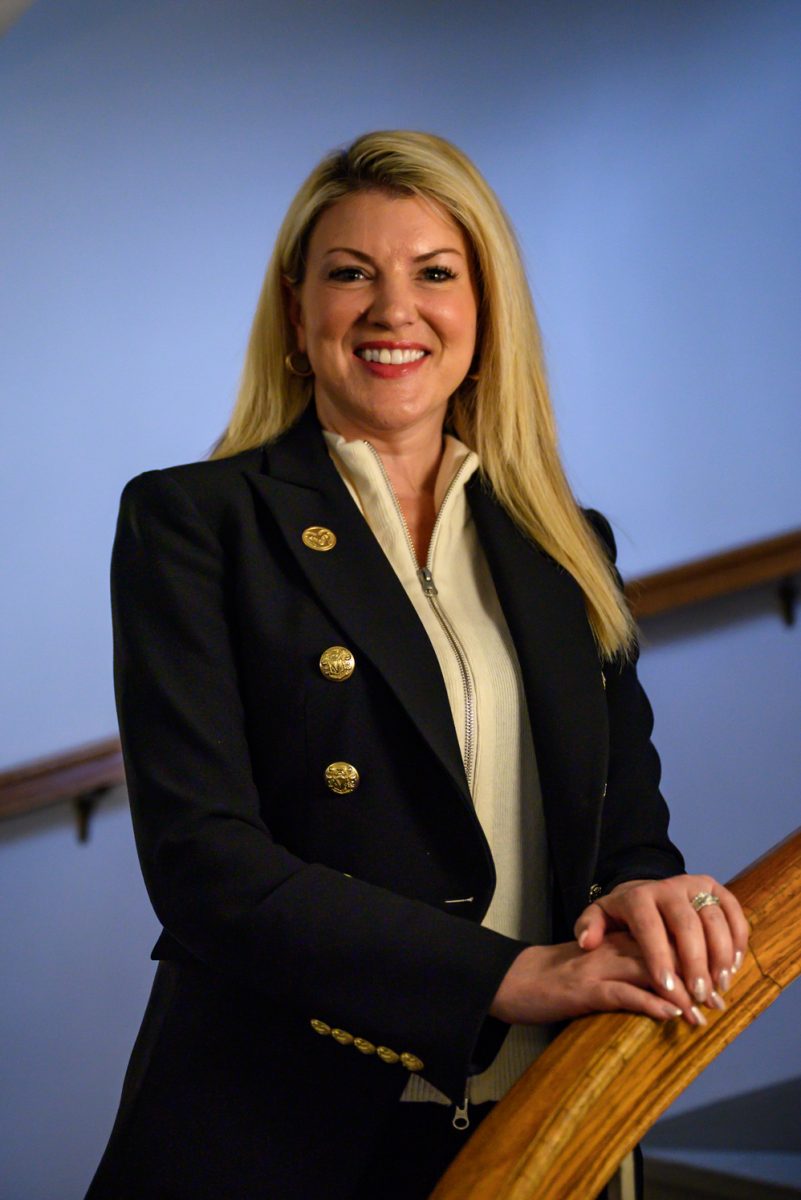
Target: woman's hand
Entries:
(555, 983)
(690, 955)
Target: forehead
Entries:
(382, 222)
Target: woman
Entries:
(388, 759)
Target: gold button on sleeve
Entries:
(342, 778)
(342, 1036)
(337, 663)
(411, 1062)
(363, 1045)
(386, 1055)
(320, 1026)
(317, 537)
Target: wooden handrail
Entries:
(772, 560)
(78, 775)
(598, 1088)
(98, 766)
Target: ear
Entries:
(294, 311)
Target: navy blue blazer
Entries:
(290, 911)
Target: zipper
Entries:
(460, 1119)
(426, 577)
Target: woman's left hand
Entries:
(705, 947)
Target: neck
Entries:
(411, 459)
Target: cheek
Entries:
(458, 322)
(331, 325)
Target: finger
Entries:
(689, 936)
(738, 924)
(646, 925)
(590, 927)
(719, 946)
(726, 931)
(620, 996)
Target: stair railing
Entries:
(593, 1094)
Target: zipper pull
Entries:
(427, 580)
(460, 1117)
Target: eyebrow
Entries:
(419, 258)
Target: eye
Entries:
(346, 274)
(438, 274)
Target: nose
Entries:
(392, 304)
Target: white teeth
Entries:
(395, 357)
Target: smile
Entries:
(386, 356)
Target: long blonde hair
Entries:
(505, 415)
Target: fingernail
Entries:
(724, 981)
(738, 961)
(670, 1010)
(697, 1016)
(716, 1001)
(668, 982)
(583, 937)
(699, 989)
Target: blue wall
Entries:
(649, 157)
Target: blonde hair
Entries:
(505, 415)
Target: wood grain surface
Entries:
(61, 777)
(771, 560)
(581, 1107)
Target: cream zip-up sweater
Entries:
(479, 665)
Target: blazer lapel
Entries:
(544, 609)
(355, 583)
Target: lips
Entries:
(394, 354)
(389, 360)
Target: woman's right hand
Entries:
(556, 983)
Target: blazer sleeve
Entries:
(323, 946)
(634, 841)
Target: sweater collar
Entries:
(356, 460)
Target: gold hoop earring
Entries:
(474, 374)
(303, 372)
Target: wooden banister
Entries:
(79, 775)
(598, 1088)
(772, 560)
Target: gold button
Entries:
(317, 537)
(320, 1026)
(363, 1045)
(342, 1036)
(386, 1055)
(342, 778)
(596, 891)
(337, 663)
(411, 1062)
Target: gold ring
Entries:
(703, 900)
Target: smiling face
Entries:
(386, 314)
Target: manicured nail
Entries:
(697, 1016)
(738, 961)
(724, 981)
(668, 982)
(583, 937)
(699, 990)
(670, 1010)
(716, 1001)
